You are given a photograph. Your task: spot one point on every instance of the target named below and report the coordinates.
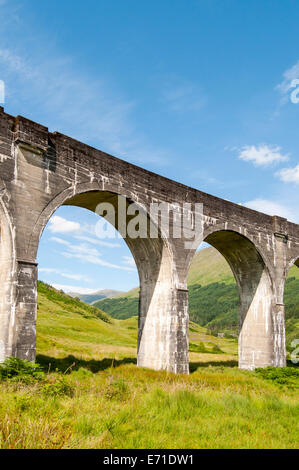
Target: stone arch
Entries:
(260, 342)
(158, 329)
(230, 227)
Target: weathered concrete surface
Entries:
(40, 171)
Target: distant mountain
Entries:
(98, 295)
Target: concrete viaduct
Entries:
(40, 171)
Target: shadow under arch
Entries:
(257, 344)
(153, 258)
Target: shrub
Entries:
(216, 349)
(283, 376)
(82, 372)
(117, 389)
(18, 369)
(197, 348)
(22, 402)
(57, 387)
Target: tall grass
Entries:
(85, 391)
(122, 406)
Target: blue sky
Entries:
(198, 91)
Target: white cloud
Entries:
(73, 289)
(262, 155)
(271, 208)
(58, 224)
(289, 175)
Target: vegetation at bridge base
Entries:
(85, 391)
(121, 406)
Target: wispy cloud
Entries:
(262, 155)
(60, 93)
(181, 95)
(73, 289)
(87, 254)
(106, 118)
(59, 240)
(94, 259)
(272, 208)
(97, 241)
(75, 277)
(289, 175)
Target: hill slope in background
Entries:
(66, 324)
(213, 296)
(98, 295)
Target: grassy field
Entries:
(89, 392)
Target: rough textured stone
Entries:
(40, 171)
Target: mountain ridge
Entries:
(97, 295)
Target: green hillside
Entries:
(65, 323)
(209, 266)
(83, 390)
(213, 296)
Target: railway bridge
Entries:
(41, 171)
